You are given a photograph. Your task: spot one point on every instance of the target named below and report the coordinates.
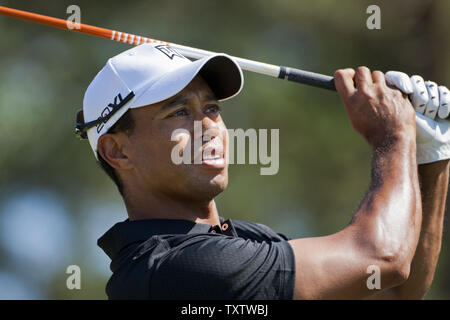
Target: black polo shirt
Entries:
(180, 259)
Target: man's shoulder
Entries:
(257, 231)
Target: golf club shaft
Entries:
(290, 74)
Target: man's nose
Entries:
(207, 122)
(209, 127)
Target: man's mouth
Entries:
(211, 157)
(216, 161)
(212, 154)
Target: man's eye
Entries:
(178, 113)
(213, 108)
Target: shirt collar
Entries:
(127, 232)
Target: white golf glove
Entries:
(432, 105)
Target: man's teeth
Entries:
(211, 157)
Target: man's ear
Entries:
(110, 146)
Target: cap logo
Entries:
(107, 111)
(169, 51)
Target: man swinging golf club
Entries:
(175, 245)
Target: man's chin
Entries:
(207, 189)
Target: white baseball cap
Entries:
(145, 75)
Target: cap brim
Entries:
(221, 72)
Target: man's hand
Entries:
(376, 111)
(432, 105)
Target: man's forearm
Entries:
(390, 213)
(384, 233)
(433, 185)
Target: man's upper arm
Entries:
(220, 267)
(335, 267)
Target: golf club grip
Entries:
(307, 77)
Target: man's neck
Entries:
(163, 207)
